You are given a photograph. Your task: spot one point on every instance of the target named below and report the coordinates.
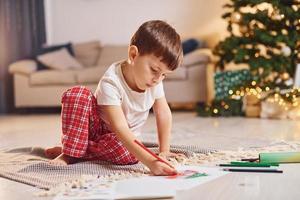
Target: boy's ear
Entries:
(132, 53)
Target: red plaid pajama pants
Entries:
(84, 134)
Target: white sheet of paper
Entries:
(297, 76)
(162, 187)
(147, 187)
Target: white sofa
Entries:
(43, 88)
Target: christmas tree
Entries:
(265, 35)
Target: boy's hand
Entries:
(159, 168)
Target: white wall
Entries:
(114, 21)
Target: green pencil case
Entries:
(280, 157)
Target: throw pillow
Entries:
(47, 49)
(192, 44)
(59, 59)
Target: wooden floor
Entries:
(220, 133)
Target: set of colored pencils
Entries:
(251, 167)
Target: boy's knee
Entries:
(76, 92)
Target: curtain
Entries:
(22, 33)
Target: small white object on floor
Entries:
(92, 189)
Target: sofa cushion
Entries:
(23, 67)
(195, 57)
(91, 74)
(47, 49)
(53, 77)
(60, 59)
(87, 53)
(179, 74)
(112, 53)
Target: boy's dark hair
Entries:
(160, 39)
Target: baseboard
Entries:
(191, 106)
(38, 110)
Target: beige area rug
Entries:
(28, 165)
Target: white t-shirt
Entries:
(113, 90)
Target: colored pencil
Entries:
(253, 170)
(153, 154)
(254, 163)
(244, 165)
(250, 159)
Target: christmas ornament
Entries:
(295, 8)
(270, 78)
(278, 81)
(289, 82)
(236, 17)
(285, 76)
(276, 15)
(286, 51)
(243, 29)
(275, 74)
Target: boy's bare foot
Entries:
(59, 160)
(63, 160)
(53, 152)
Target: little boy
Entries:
(104, 126)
